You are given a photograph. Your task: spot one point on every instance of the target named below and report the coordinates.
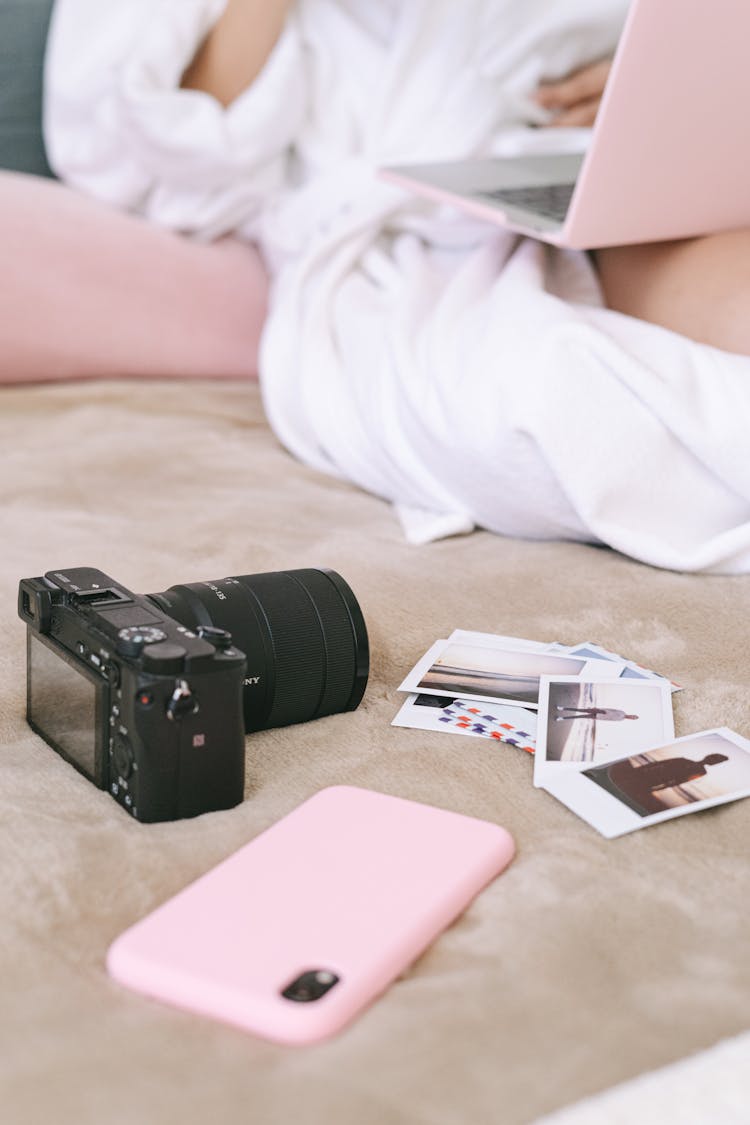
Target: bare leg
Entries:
(86, 292)
(699, 287)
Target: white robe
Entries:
(470, 376)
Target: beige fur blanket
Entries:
(588, 963)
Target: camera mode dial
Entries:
(182, 702)
(130, 641)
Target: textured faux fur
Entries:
(586, 964)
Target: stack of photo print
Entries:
(600, 727)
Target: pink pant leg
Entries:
(87, 291)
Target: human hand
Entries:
(575, 100)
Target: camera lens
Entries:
(310, 986)
(303, 634)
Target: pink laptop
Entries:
(668, 156)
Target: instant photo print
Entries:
(500, 673)
(512, 725)
(497, 640)
(630, 670)
(596, 721)
(692, 773)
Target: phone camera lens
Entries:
(310, 986)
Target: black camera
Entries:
(149, 696)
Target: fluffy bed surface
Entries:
(586, 964)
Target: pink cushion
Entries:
(87, 291)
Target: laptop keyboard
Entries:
(550, 200)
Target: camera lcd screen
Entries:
(62, 706)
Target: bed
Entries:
(565, 989)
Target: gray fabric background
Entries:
(23, 35)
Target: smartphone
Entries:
(299, 930)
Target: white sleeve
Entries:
(118, 126)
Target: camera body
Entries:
(145, 707)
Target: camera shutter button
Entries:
(182, 702)
(219, 638)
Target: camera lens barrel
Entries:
(303, 634)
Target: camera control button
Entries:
(112, 672)
(219, 638)
(164, 658)
(182, 702)
(131, 641)
(122, 757)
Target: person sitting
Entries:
(472, 377)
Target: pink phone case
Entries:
(352, 884)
